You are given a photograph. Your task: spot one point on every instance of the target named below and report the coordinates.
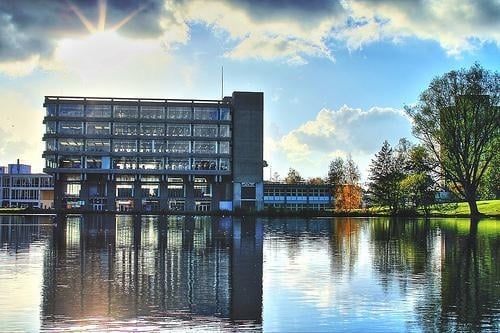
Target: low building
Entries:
(22, 189)
(297, 196)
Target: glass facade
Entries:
(179, 112)
(98, 128)
(152, 112)
(98, 111)
(132, 153)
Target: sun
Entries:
(100, 27)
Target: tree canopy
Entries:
(457, 121)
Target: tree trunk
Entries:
(473, 208)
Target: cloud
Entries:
(341, 132)
(288, 31)
(457, 25)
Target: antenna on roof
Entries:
(222, 83)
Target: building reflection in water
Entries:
(126, 267)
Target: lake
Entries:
(176, 273)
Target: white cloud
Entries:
(310, 147)
(22, 67)
(457, 25)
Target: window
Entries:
(70, 145)
(178, 146)
(179, 112)
(178, 164)
(151, 146)
(70, 162)
(152, 129)
(204, 164)
(72, 189)
(70, 127)
(202, 189)
(205, 147)
(94, 162)
(50, 145)
(206, 113)
(125, 111)
(50, 161)
(175, 188)
(224, 131)
(124, 146)
(150, 190)
(209, 131)
(125, 178)
(51, 127)
(94, 128)
(224, 164)
(224, 147)
(51, 110)
(97, 145)
(124, 129)
(225, 113)
(98, 111)
(125, 163)
(152, 112)
(71, 110)
(124, 190)
(150, 163)
(178, 130)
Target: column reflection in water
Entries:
(107, 268)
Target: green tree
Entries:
(384, 179)
(336, 172)
(293, 177)
(457, 121)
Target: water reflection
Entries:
(150, 273)
(193, 270)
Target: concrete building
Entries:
(147, 154)
(298, 196)
(22, 189)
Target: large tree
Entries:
(457, 120)
(384, 179)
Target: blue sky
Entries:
(335, 74)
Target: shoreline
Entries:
(265, 213)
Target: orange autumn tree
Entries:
(344, 177)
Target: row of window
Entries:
(132, 163)
(18, 194)
(296, 192)
(14, 181)
(132, 146)
(201, 190)
(135, 112)
(143, 129)
(297, 207)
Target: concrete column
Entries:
(163, 195)
(111, 195)
(58, 192)
(189, 205)
(84, 193)
(137, 195)
(259, 196)
(236, 195)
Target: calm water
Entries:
(125, 273)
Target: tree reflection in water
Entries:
(456, 270)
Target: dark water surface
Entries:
(148, 273)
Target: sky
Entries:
(336, 75)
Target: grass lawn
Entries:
(487, 207)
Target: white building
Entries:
(22, 190)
